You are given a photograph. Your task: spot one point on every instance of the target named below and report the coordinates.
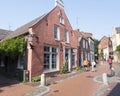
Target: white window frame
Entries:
(61, 20)
(66, 36)
(50, 60)
(74, 54)
(86, 45)
(56, 32)
(83, 43)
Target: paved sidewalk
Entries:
(113, 88)
(11, 87)
(82, 84)
(72, 84)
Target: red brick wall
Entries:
(44, 35)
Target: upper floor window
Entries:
(83, 43)
(86, 45)
(92, 46)
(61, 20)
(66, 36)
(56, 32)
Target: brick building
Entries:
(51, 42)
(83, 46)
(105, 44)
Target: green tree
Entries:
(96, 42)
(118, 48)
(118, 52)
(12, 48)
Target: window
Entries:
(83, 43)
(73, 60)
(66, 36)
(86, 45)
(46, 57)
(50, 58)
(92, 46)
(56, 32)
(61, 20)
(54, 58)
(21, 62)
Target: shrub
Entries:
(63, 69)
(78, 68)
(36, 78)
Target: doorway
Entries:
(67, 58)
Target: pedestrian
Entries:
(110, 62)
(96, 61)
(86, 64)
(93, 66)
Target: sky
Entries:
(95, 16)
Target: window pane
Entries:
(46, 61)
(56, 32)
(83, 43)
(47, 49)
(50, 58)
(54, 61)
(66, 36)
(54, 49)
(73, 60)
(61, 20)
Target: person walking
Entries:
(110, 62)
(86, 64)
(93, 66)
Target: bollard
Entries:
(43, 80)
(105, 79)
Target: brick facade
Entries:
(51, 42)
(44, 36)
(105, 44)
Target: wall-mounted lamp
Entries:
(32, 36)
(30, 39)
(31, 45)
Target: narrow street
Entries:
(80, 85)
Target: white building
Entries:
(115, 41)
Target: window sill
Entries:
(57, 39)
(48, 71)
(62, 24)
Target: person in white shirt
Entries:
(93, 66)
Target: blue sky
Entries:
(95, 16)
